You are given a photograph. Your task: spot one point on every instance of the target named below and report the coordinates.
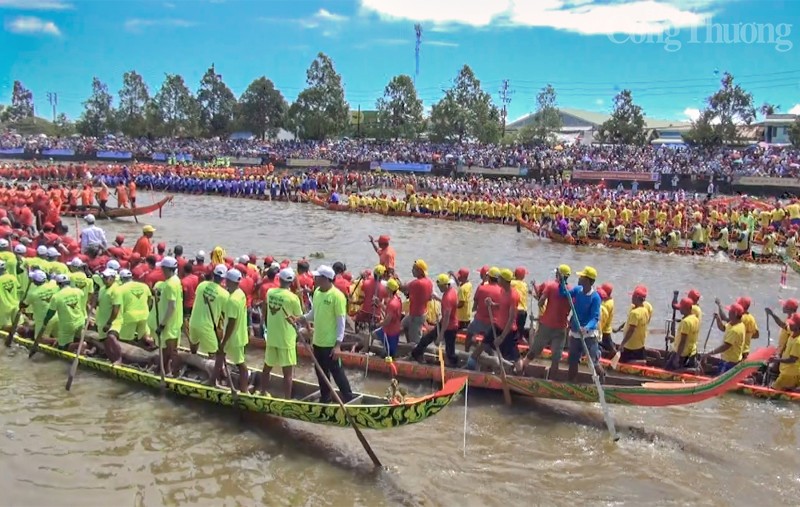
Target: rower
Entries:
(210, 296)
(109, 315)
(788, 307)
(284, 308)
(632, 346)
(552, 329)
(144, 245)
(789, 362)
(373, 293)
(78, 278)
(464, 312)
(56, 267)
(584, 321)
(481, 324)
(419, 292)
(684, 355)
(447, 325)
(733, 341)
(519, 285)
(235, 335)
(38, 299)
(136, 298)
(386, 253)
(9, 296)
(607, 342)
(169, 311)
(66, 305)
(389, 329)
(750, 325)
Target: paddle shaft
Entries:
(506, 390)
(224, 364)
(73, 369)
(12, 332)
(160, 347)
(672, 322)
(601, 394)
(708, 335)
(769, 334)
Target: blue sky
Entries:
(671, 53)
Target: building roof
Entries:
(780, 119)
(596, 118)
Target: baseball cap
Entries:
(463, 274)
(125, 273)
(325, 272)
(20, 249)
(686, 304)
(52, 252)
(520, 272)
(443, 279)
(588, 272)
(169, 263)
(564, 270)
(640, 292)
(244, 259)
(694, 295)
(220, 269)
(37, 275)
(161, 246)
(789, 305)
(602, 293)
(392, 285)
(109, 273)
(383, 239)
(233, 275)
(484, 269)
(744, 302)
(62, 278)
(200, 255)
(506, 274)
(421, 265)
(286, 274)
(735, 309)
(113, 264)
(76, 262)
(41, 250)
(379, 270)
(607, 288)
(148, 228)
(89, 218)
(4, 243)
(494, 272)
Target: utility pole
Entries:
(52, 98)
(358, 123)
(505, 99)
(418, 32)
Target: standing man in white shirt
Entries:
(92, 236)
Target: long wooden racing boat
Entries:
(368, 411)
(636, 391)
(120, 212)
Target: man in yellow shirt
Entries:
(788, 307)
(632, 346)
(684, 354)
(789, 362)
(519, 285)
(731, 349)
(464, 309)
(750, 325)
(607, 303)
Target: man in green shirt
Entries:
(66, 304)
(9, 296)
(136, 298)
(78, 279)
(7, 256)
(209, 304)
(56, 267)
(109, 316)
(169, 312)
(23, 277)
(283, 307)
(328, 314)
(235, 336)
(38, 299)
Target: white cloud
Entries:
(32, 25)
(599, 102)
(795, 109)
(691, 113)
(588, 17)
(322, 17)
(439, 43)
(35, 5)
(139, 24)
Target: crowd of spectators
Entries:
(756, 160)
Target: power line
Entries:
(505, 100)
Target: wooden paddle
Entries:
(769, 334)
(15, 324)
(163, 384)
(73, 369)
(708, 335)
(225, 369)
(672, 322)
(506, 390)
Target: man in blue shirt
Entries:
(584, 322)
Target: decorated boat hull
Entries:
(121, 212)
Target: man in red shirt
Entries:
(552, 331)
(189, 283)
(447, 326)
(144, 245)
(419, 292)
(374, 294)
(154, 275)
(481, 324)
(340, 282)
(389, 330)
(503, 315)
(386, 254)
(304, 281)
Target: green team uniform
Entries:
(67, 305)
(79, 280)
(106, 300)
(38, 300)
(9, 298)
(236, 308)
(10, 258)
(58, 268)
(327, 306)
(23, 278)
(281, 349)
(170, 290)
(135, 297)
(201, 323)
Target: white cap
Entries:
(41, 250)
(169, 263)
(20, 249)
(37, 275)
(220, 269)
(52, 252)
(112, 264)
(62, 278)
(2, 264)
(109, 273)
(89, 219)
(287, 275)
(234, 275)
(244, 259)
(125, 273)
(324, 271)
(200, 255)
(3, 243)
(76, 262)
(275, 266)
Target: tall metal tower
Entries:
(418, 31)
(52, 98)
(505, 99)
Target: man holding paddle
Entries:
(552, 329)
(283, 307)
(447, 326)
(584, 322)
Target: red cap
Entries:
(483, 271)
(161, 246)
(735, 309)
(640, 292)
(463, 274)
(744, 302)
(789, 305)
(120, 239)
(686, 305)
(694, 295)
(607, 288)
(383, 239)
(269, 260)
(285, 264)
(603, 295)
(241, 267)
(520, 272)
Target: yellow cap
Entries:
(494, 272)
(148, 228)
(392, 285)
(588, 272)
(379, 270)
(506, 274)
(564, 270)
(443, 279)
(422, 265)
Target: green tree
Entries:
(794, 133)
(217, 104)
(176, 108)
(320, 110)
(400, 110)
(465, 111)
(63, 127)
(727, 107)
(261, 109)
(626, 125)
(546, 122)
(133, 100)
(97, 119)
(21, 103)
(767, 109)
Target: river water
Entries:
(110, 443)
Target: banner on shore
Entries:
(245, 160)
(496, 171)
(765, 181)
(58, 153)
(115, 155)
(614, 175)
(308, 162)
(401, 166)
(12, 151)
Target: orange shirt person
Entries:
(122, 196)
(144, 245)
(132, 193)
(87, 196)
(386, 254)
